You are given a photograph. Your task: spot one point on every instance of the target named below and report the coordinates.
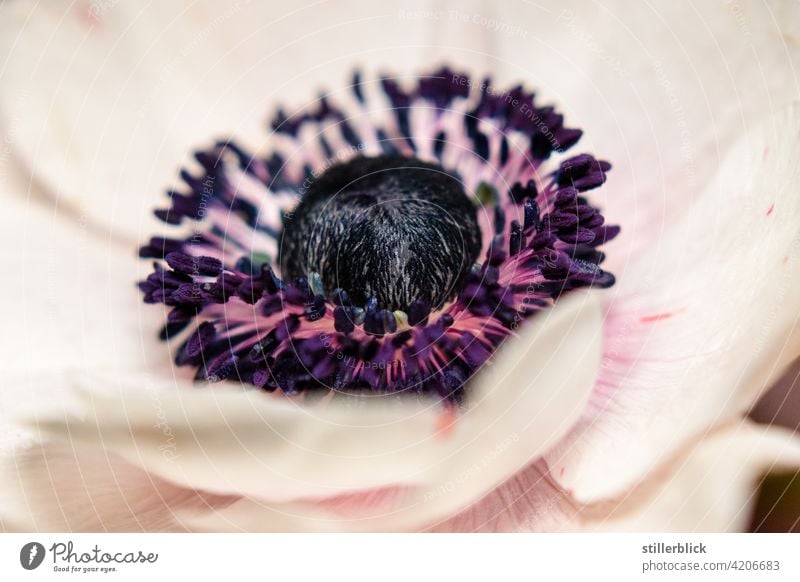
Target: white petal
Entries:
(229, 441)
(58, 488)
(702, 324)
(711, 487)
(105, 103)
(527, 502)
(70, 298)
(69, 302)
(661, 90)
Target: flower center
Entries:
(366, 250)
(392, 228)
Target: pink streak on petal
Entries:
(363, 502)
(88, 15)
(446, 422)
(656, 317)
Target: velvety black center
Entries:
(390, 227)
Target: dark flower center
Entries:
(371, 237)
(390, 227)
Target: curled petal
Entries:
(700, 326)
(286, 457)
(707, 486)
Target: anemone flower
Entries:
(528, 290)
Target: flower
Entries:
(610, 410)
(376, 240)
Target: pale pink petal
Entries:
(70, 298)
(58, 488)
(104, 103)
(702, 324)
(528, 502)
(711, 487)
(708, 486)
(661, 89)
